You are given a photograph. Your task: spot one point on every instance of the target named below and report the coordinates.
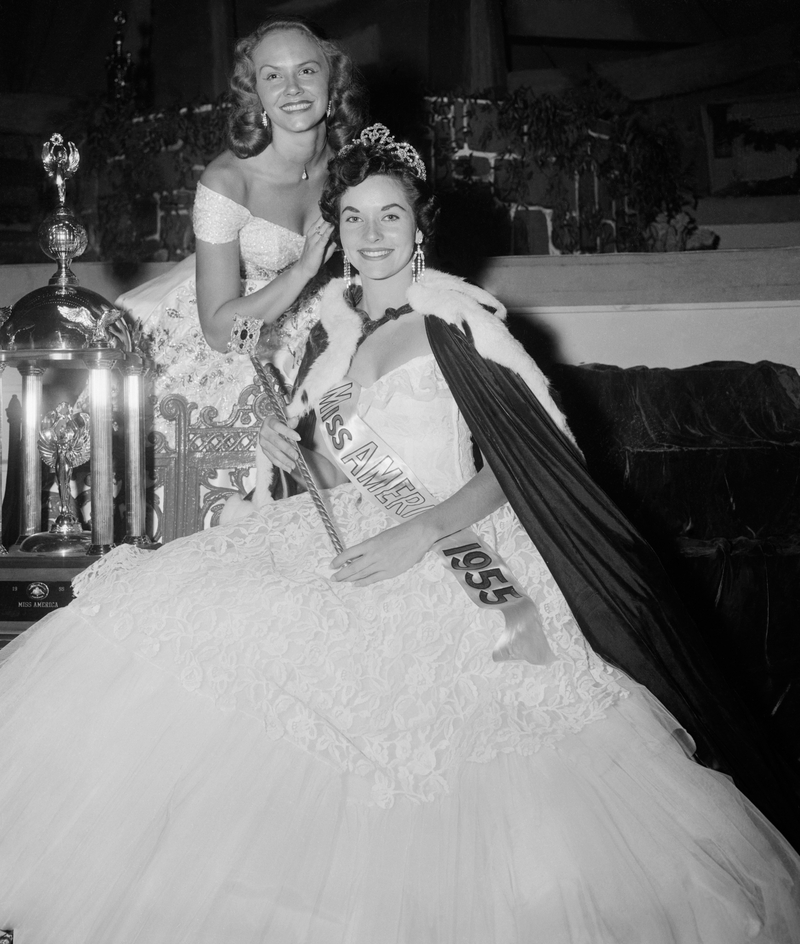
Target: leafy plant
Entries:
(604, 168)
(601, 169)
(141, 164)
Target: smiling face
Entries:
(291, 76)
(377, 228)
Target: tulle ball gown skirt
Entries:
(216, 742)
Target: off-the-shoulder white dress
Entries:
(166, 307)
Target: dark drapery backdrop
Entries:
(182, 49)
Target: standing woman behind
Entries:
(296, 99)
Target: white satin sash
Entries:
(387, 480)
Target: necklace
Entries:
(392, 314)
(353, 295)
(304, 175)
(290, 164)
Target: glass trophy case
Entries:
(68, 326)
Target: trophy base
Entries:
(56, 544)
(142, 541)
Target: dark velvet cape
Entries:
(611, 578)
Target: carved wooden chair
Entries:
(210, 460)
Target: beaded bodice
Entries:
(265, 248)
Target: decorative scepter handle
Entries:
(273, 388)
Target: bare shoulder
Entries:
(225, 175)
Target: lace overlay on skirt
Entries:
(393, 682)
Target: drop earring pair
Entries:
(417, 264)
(418, 260)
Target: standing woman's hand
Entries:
(219, 286)
(318, 248)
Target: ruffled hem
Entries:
(133, 811)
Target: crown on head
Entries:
(379, 136)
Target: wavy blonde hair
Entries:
(247, 136)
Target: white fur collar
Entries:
(343, 328)
(443, 296)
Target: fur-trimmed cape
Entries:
(615, 585)
(450, 299)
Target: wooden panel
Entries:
(735, 211)
(29, 113)
(752, 275)
(700, 67)
(540, 81)
(662, 21)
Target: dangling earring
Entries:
(418, 259)
(264, 118)
(329, 109)
(348, 275)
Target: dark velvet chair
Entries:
(706, 461)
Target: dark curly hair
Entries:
(361, 161)
(247, 136)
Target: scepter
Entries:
(272, 386)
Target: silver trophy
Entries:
(64, 324)
(62, 236)
(64, 443)
(63, 316)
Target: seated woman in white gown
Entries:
(260, 239)
(245, 736)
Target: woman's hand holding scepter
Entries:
(273, 388)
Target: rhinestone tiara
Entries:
(379, 136)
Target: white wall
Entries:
(659, 310)
(669, 335)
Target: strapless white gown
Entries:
(215, 742)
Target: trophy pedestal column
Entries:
(135, 472)
(32, 464)
(102, 497)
